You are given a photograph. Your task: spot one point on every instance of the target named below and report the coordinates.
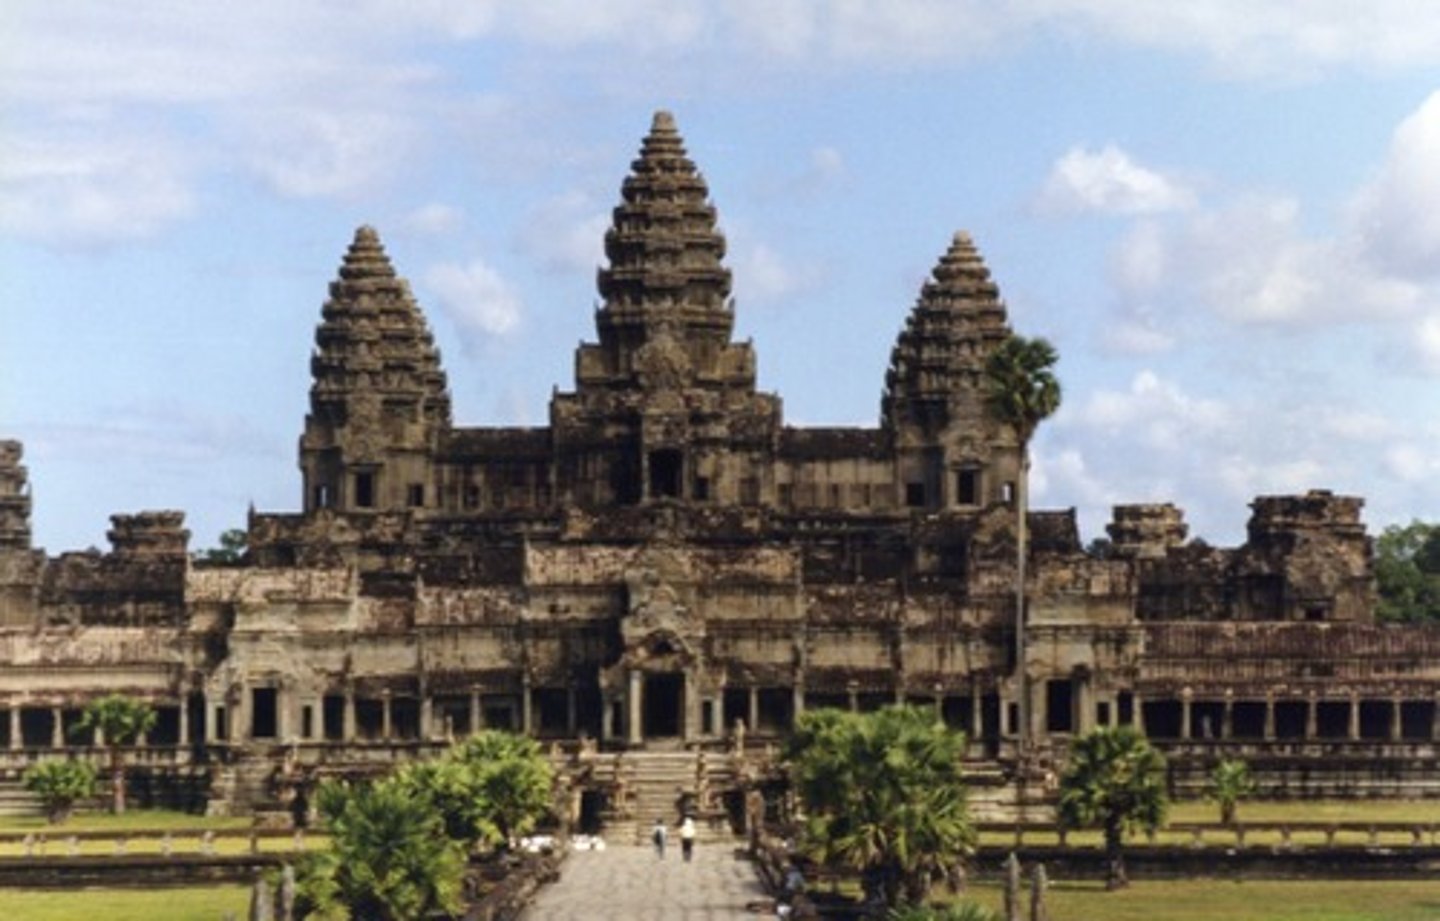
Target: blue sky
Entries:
(1225, 213)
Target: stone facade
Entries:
(667, 563)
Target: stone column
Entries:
(797, 698)
(284, 701)
(427, 716)
(853, 692)
(15, 734)
(1434, 719)
(99, 738)
(1397, 729)
(238, 712)
(607, 717)
(632, 709)
(527, 706)
(689, 709)
(1186, 699)
(1269, 715)
(209, 715)
(347, 716)
(1312, 717)
(387, 715)
(977, 712)
(57, 728)
(1353, 727)
(1227, 720)
(477, 721)
(1084, 705)
(1137, 712)
(184, 717)
(752, 713)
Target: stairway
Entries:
(18, 802)
(657, 785)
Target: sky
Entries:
(1225, 214)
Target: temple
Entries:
(660, 579)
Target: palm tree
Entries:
(1230, 782)
(1021, 391)
(121, 720)
(1113, 778)
(883, 795)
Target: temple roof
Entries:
(957, 321)
(664, 250)
(373, 339)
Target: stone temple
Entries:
(668, 571)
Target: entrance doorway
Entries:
(664, 704)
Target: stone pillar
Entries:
(387, 716)
(1312, 717)
(15, 735)
(752, 713)
(571, 721)
(527, 706)
(347, 716)
(632, 708)
(1269, 716)
(209, 715)
(1084, 705)
(477, 716)
(284, 702)
(977, 713)
(1353, 727)
(1186, 699)
(427, 716)
(1397, 729)
(690, 710)
(1227, 721)
(57, 728)
(1434, 719)
(1137, 712)
(238, 712)
(99, 738)
(797, 698)
(184, 717)
(607, 717)
(853, 693)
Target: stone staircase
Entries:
(659, 785)
(18, 802)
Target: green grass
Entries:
(210, 904)
(159, 819)
(1220, 900)
(1427, 810)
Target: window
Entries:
(365, 490)
(1007, 493)
(786, 495)
(702, 489)
(322, 496)
(415, 496)
(665, 469)
(967, 487)
(915, 495)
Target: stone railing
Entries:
(1284, 835)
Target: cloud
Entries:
(1397, 215)
(764, 276)
(475, 297)
(1108, 181)
(566, 233)
(433, 219)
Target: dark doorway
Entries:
(37, 727)
(666, 467)
(776, 709)
(262, 710)
(664, 704)
(332, 715)
(1059, 706)
(1162, 718)
(1290, 717)
(958, 713)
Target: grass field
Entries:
(210, 904)
(159, 819)
(1219, 900)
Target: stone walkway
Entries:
(629, 884)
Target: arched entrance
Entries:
(663, 710)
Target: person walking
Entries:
(658, 835)
(687, 838)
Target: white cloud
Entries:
(475, 297)
(1397, 215)
(433, 219)
(1426, 344)
(566, 233)
(764, 276)
(1108, 181)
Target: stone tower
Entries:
(948, 451)
(379, 403)
(19, 565)
(664, 379)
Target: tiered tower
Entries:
(950, 452)
(379, 403)
(664, 380)
(19, 564)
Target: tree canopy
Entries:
(59, 783)
(121, 720)
(883, 795)
(1021, 389)
(1407, 570)
(1113, 779)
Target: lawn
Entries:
(133, 819)
(209, 904)
(1221, 900)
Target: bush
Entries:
(59, 784)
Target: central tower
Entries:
(664, 380)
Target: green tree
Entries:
(59, 784)
(1407, 571)
(883, 795)
(121, 721)
(490, 789)
(1021, 391)
(389, 856)
(1113, 779)
(1230, 782)
(234, 542)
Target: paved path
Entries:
(629, 884)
